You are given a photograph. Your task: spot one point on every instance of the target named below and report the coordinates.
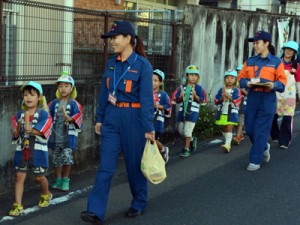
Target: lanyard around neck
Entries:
(128, 68)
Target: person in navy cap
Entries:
(263, 74)
(124, 120)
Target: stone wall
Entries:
(10, 100)
(217, 39)
(86, 155)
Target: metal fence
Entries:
(40, 40)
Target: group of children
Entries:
(190, 96)
(38, 126)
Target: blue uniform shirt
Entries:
(135, 86)
(267, 69)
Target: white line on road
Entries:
(54, 201)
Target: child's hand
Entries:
(228, 97)
(98, 128)
(224, 94)
(181, 92)
(194, 92)
(68, 118)
(156, 104)
(28, 129)
(14, 132)
(160, 107)
(244, 91)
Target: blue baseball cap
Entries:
(159, 73)
(36, 85)
(65, 78)
(230, 73)
(192, 69)
(120, 27)
(261, 35)
(292, 45)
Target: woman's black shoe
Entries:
(90, 218)
(131, 213)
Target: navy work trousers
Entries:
(261, 107)
(122, 129)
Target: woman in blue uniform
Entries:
(263, 74)
(124, 121)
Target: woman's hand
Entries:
(249, 84)
(270, 85)
(150, 136)
(98, 127)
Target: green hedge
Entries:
(205, 127)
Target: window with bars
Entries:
(9, 43)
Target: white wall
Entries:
(219, 40)
(253, 5)
(224, 4)
(293, 7)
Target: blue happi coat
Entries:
(192, 111)
(74, 110)
(233, 109)
(38, 149)
(159, 115)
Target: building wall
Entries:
(292, 8)
(85, 155)
(253, 5)
(217, 39)
(222, 4)
(50, 42)
(98, 4)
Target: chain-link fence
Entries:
(40, 40)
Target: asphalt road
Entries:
(208, 188)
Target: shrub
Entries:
(205, 126)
